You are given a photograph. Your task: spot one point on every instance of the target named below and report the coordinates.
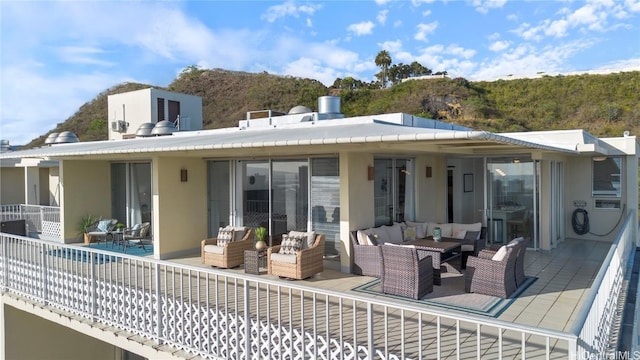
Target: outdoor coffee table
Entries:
(440, 251)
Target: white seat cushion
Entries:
(466, 247)
(214, 249)
(284, 258)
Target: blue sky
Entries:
(55, 56)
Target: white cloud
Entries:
(498, 46)
(556, 28)
(483, 6)
(632, 5)
(391, 46)
(426, 13)
(362, 28)
(382, 16)
(288, 8)
(83, 55)
(424, 30)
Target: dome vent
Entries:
(51, 139)
(66, 137)
(164, 127)
(145, 130)
(299, 110)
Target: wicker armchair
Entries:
(522, 249)
(366, 258)
(472, 245)
(308, 261)
(492, 277)
(229, 255)
(404, 273)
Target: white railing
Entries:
(595, 320)
(217, 314)
(44, 220)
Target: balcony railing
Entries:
(217, 314)
(41, 220)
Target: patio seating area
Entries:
(563, 280)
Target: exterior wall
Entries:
(12, 185)
(85, 189)
(33, 337)
(43, 197)
(180, 214)
(141, 107)
(431, 193)
(578, 186)
(54, 186)
(32, 185)
(356, 200)
(137, 110)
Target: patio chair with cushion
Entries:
(227, 249)
(366, 257)
(405, 272)
(473, 242)
(492, 272)
(138, 235)
(102, 229)
(299, 256)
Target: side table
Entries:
(254, 260)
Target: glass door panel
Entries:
(512, 184)
(218, 196)
(255, 189)
(290, 203)
(325, 202)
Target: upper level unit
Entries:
(129, 111)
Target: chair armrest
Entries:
(314, 251)
(425, 264)
(486, 254)
(272, 250)
(489, 265)
(210, 241)
(239, 245)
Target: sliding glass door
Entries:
(513, 199)
(131, 192)
(393, 190)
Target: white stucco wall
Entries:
(431, 193)
(180, 208)
(85, 189)
(11, 185)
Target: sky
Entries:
(56, 56)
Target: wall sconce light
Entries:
(429, 172)
(183, 175)
(370, 173)
(599, 158)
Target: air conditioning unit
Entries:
(119, 126)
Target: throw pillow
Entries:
(409, 233)
(103, 225)
(291, 244)
(500, 254)
(225, 236)
(420, 228)
(460, 234)
(472, 235)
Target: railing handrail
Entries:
(584, 311)
(471, 318)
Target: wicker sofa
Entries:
(304, 263)
(230, 254)
(366, 253)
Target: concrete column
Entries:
(356, 200)
(32, 185)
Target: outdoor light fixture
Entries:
(183, 175)
(370, 173)
(599, 158)
(428, 172)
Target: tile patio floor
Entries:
(564, 277)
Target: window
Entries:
(607, 175)
(393, 190)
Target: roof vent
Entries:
(164, 127)
(4, 146)
(51, 139)
(299, 110)
(329, 107)
(66, 137)
(145, 130)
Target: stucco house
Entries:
(319, 170)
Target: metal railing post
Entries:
(93, 288)
(247, 320)
(5, 263)
(158, 279)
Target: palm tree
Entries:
(383, 60)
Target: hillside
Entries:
(605, 105)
